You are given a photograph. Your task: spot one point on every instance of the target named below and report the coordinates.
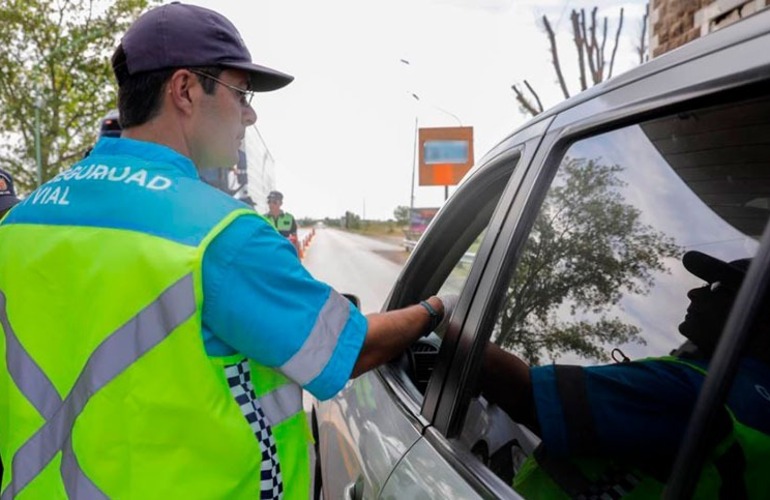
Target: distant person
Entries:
(7, 193)
(282, 221)
(613, 431)
(158, 332)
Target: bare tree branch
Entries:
(525, 103)
(602, 61)
(590, 56)
(617, 41)
(555, 57)
(537, 98)
(579, 40)
(641, 49)
(593, 47)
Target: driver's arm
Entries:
(505, 381)
(392, 332)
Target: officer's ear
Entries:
(182, 89)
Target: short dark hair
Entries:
(139, 95)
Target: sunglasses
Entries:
(244, 96)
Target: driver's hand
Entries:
(449, 302)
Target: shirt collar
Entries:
(145, 151)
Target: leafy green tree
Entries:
(55, 60)
(306, 221)
(332, 222)
(587, 248)
(352, 221)
(401, 214)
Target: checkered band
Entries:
(239, 380)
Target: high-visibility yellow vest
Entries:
(106, 389)
(282, 223)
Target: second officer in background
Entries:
(283, 222)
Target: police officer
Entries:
(161, 366)
(7, 193)
(613, 431)
(282, 221)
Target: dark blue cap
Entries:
(178, 35)
(7, 192)
(710, 269)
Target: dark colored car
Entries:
(564, 244)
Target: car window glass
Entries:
(459, 274)
(600, 279)
(602, 268)
(461, 230)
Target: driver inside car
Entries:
(612, 431)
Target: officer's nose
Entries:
(249, 116)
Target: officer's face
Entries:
(221, 122)
(274, 205)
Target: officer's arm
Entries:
(293, 229)
(391, 333)
(505, 381)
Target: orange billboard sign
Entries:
(445, 153)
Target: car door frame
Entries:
(705, 72)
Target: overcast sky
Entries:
(342, 134)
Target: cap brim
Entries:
(711, 269)
(263, 79)
(7, 202)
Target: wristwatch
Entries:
(435, 317)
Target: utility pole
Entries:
(414, 165)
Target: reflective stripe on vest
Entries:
(282, 403)
(116, 353)
(312, 357)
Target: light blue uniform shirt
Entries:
(258, 299)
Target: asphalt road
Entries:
(351, 263)
(356, 264)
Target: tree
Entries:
(593, 65)
(642, 50)
(55, 61)
(352, 221)
(332, 222)
(401, 214)
(586, 249)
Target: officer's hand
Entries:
(450, 302)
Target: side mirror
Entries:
(354, 299)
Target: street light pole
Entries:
(414, 160)
(38, 159)
(414, 165)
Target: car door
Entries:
(587, 266)
(366, 430)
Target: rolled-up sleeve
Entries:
(260, 301)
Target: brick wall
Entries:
(672, 23)
(676, 22)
